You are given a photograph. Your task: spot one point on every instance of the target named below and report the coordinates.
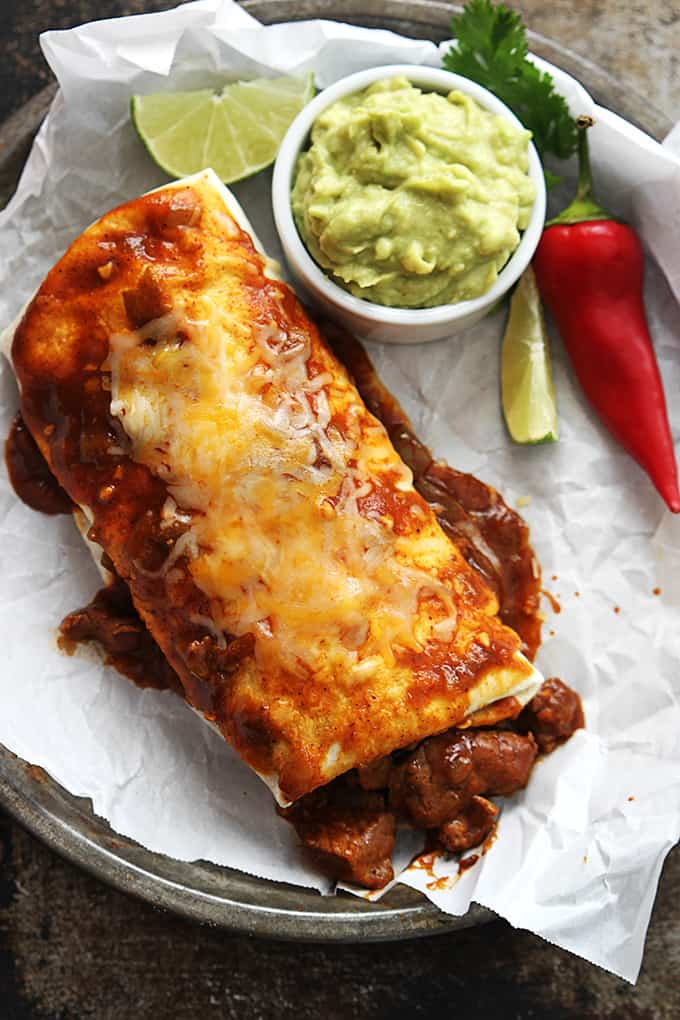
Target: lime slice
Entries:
(236, 131)
(527, 388)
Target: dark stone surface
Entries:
(71, 948)
(23, 70)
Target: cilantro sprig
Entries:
(491, 48)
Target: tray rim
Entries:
(67, 824)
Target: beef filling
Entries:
(438, 781)
(348, 831)
(440, 786)
(552, 715)
(470, 828)
(111, 621)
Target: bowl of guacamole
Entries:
(408, 200)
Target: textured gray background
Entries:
(71, 948)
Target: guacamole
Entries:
(411, 198)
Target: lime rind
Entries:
(237, 131)
(527, 389)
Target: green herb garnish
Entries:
(491, 48)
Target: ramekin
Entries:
(365, 318)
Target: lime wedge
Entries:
(527, 388)
(236, 131)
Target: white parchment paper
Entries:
(578, 854)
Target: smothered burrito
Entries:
(337, 609)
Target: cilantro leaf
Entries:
(491, 48)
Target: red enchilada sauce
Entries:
(88, 447)
(30, 475)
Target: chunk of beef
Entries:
(376, 775)
(348, 831)
(470, 828)
(112, 621)
(440, 778)
(552, 715)
(212, 661)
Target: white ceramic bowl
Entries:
(365, 318)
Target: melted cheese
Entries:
(233, 419)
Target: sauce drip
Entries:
(439, 884)
(554, 604)
(426, 862)
(30, 475)
(467, 862)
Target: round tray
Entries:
(203, 891)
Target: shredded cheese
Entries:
(244, 435)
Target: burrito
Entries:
(301, 591)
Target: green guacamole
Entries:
(411, 198)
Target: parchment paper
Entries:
(578, 855)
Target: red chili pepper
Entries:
(589, 269)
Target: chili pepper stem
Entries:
(583, 206)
